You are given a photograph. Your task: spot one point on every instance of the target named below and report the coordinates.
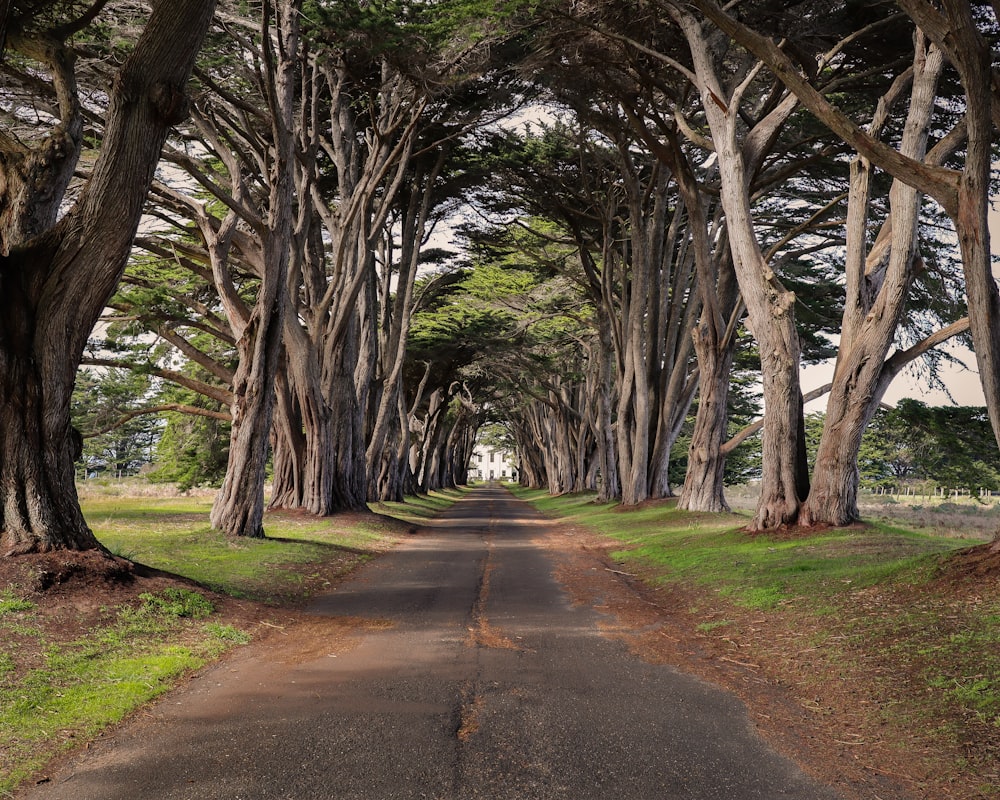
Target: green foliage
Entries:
(193, 451)
(951, 446)
(177, 603)
(419, 39)
(114, 443)
(497, 436)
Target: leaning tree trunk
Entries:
(770, 307)
(54, 287)
(874, 306)
(973, 201)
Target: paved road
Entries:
(475, 678)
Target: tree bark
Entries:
(964, 196)
(238, 509)
(770, 306)
(384, 464)
(876, 297)
(54, 286)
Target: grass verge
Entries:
(68, 690)
(869, 627)
(79, 653)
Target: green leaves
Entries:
(953, 447)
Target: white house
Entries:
(489, 463)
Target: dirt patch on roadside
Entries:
(71, 593)
(834, 719)
(975, 563)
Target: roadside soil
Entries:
(829, 722)
(834, 719)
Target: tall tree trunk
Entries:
(674, 375)
(238, 509)
(634, 392)
(770, 306)
(381, 455)
(610, 488)
(964, 197)
(874, 307)
(703, 483)
(54, 287)
(38, 446)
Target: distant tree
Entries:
(951, 446)
(960, 453)
(193, 448)
(115, 442)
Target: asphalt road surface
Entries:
(473, 677)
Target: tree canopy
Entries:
(369, 229)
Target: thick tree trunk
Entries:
(346, 399)
(54, 287)
(238, 509)
(876, 298)
(38, 446)
(703, 483)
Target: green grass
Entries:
(422, 507)
(752, 571)
(174, 535)
(76, 688)
(10, 603)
